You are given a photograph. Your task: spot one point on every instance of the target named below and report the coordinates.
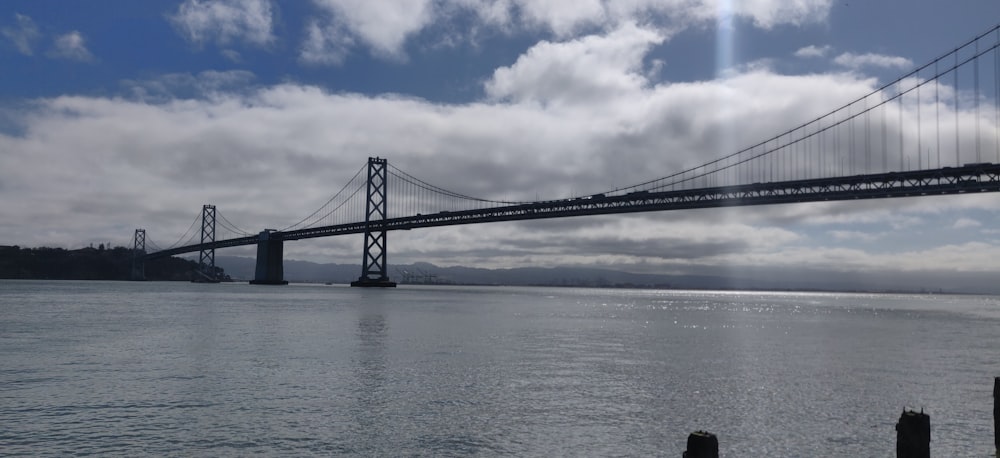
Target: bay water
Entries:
(181, 369)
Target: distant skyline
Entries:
(120, 114)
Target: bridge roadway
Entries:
(968, 179)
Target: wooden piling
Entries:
(996, 414)
(702, 444)
(913, 435)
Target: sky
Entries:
(117, 115)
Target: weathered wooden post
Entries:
(913, 435)
(702, 444)
(996, 413)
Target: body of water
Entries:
(180, 369)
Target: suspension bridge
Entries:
(932, 131)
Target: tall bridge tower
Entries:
(139, 255)
(206, 260)
(373, 265)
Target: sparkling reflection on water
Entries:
(234, 370)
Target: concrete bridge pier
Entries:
(270, 270)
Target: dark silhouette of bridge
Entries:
(933, 131)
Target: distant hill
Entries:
(243, 268)
(800, 279)
(87, 264)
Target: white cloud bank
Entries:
(267, 156)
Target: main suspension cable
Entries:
(978, 53)
(230, 226)
(399, 173)
(328, 201)
(185, 234)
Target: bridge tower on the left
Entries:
(206, 272)
(139, 256)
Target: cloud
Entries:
(813, 51)
(385, 27)
(23, 35)
(771, 13)
(965, 223)
(578, 71)
(566, 18)
(207, 84)
(858, 61)
(325, 45)
(225, 21)
(951, 258)
(843, 235)
(70, 46)
(232, 55)
(269, 155)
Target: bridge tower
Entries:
(373, 265)
(206, 260)
(138, 256)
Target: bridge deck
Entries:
(971, 178)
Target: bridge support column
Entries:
(270, 270)
(138, 256)
(206, 272)
(373, 266)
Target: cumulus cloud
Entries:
(858, 61)
(225, 21)
(71, 46)
(23, 35)
(383, 26)
(579, 71)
